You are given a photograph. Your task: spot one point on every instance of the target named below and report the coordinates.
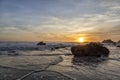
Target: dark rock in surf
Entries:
(41, 43)
(91, 49)
(118, 45)
(13, 53)
(108, 41)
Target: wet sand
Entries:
(60, 67)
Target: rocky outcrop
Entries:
(108, 41)
(91, 49)
(41, 43)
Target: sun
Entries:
(81, 39)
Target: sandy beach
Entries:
(59, 65)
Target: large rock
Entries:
(91, 49)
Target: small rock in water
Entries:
(13, 53)
(41, 43)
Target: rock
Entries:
(118, 45)
(91, 49)
(108, 41)
(12, 53)
(41, 43)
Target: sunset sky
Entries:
(59, 20)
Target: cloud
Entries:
(60, 19)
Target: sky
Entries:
(59, 20)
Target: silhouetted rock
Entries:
(108, 41)
(91, 49)
(118, 45)
(12, 53)
(57, 47)
(41, 43)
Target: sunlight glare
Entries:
(81, 39)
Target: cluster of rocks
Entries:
(108, 41)
(50, 46)
(91, 49)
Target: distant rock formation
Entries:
(41, 43)
(91, 49)
(108, 41)
(118, 45)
